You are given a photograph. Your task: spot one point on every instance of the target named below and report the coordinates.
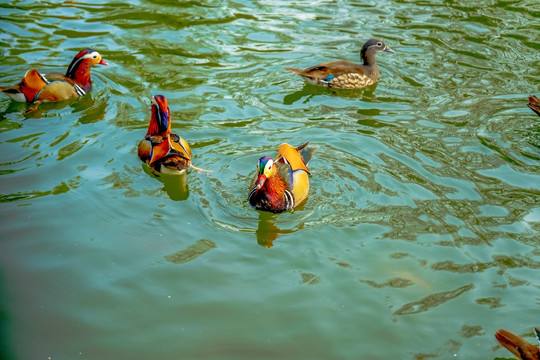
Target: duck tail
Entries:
(305, 152)
(295, 70)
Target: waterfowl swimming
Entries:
(37, 88)
(534, 104)
(281, 183)
(518, 346)
(162, 150)
(345, 74)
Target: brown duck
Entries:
(518, 346)
(343, 74)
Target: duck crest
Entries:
(160, 122)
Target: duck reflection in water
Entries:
(518, 346)
(267, 231)
(176, 186)
(309, 91)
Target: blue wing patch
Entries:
(328, 78)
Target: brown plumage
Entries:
(345, 74)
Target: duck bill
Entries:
(260, 181)
(387, 49)
(103, 62)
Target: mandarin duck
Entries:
(37, 88)
(534, 104)
(343, 74)
(162, 150)
(518, 346)
(281, 183)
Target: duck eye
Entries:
(379, 44)
(95, 56)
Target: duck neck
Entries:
(79, 71)
(274, 185)
(368, 57)
(154, 128)
(274, 189)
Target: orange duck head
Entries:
(79, 69)
(160, 121)
(518, 346)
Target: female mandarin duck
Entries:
(534, 104)
(38, 88)
(343, 74)
(162, 150)
(518, 346)
(282, 183)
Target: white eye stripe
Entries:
(92, 55)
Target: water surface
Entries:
(420, 237)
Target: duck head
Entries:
(371, 48)
(266, 169)
(79, 69)
(160, 122)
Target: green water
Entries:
(420, 237)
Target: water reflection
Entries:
(176, 186)
(191, 252)
(432, 301)
(267, 231)
(40, 111)
(309, 91)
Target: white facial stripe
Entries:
(269, 165)
(92, 55)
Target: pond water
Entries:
(420, 237)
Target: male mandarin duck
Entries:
(38, 88)
(281, 183)
(345, 74)
(518, 346)
(162, 150)
(534, 104)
